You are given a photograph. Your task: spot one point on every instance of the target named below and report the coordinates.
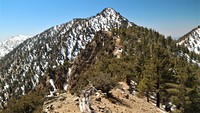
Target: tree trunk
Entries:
(158, 88)
(158, 99)
(147, 96)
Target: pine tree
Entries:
(147, 83)
(183, 88)
(157, 70)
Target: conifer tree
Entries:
(155, 72)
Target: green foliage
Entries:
(30, 103)
(103, 75)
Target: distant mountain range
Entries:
(10, 44)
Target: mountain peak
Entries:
(109, 11)
(112, 14)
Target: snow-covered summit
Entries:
(109, 12)
(191, 40)
(8, 45)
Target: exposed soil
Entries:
(119, 101)
(122, 102)
(64, 103)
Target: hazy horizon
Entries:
(30, 17)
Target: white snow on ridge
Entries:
(192, 41)
(106, 20)
(8, 45)
(189, 58)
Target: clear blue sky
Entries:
(30, 17)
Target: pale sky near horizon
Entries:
(30, 17)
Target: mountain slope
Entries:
(191, 40)
(21, 70)
(91, 55)
(10, 44)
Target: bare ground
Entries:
(121, 101)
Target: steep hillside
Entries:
(10, 44)
(22, 68)
(191, 40)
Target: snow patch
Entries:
(52, 84)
